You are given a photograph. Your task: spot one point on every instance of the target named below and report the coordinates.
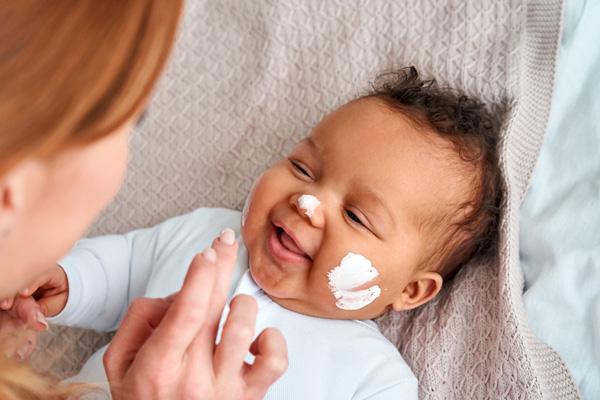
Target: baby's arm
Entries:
(386, 377)
(106, 273)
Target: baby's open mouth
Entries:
(283, 246)
(288, 242)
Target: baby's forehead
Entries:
(371, 121)
(372, 146)
(368, 133)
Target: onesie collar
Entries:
(247, 286)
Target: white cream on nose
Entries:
(354, 270)
(309, 204)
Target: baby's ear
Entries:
(424, 286)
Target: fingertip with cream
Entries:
(227, 236)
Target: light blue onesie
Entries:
(328, 359)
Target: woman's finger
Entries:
(270, 362)
(141, 320)
(236, 338)
(187, 314)
(226, 248)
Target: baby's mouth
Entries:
(283, 246)
(289, 243)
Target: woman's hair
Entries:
(71, 72)
(469, 231)
(19, 382)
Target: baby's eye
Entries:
(354, 217)
(300, 168)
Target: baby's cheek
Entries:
(255, 214)
(248, 202)
(263, 194)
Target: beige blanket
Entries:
(249, 78)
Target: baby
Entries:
(388, 196)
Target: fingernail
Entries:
(24, 292)
(4, 304)
(210, 254)
(227, 236)
(39, 317)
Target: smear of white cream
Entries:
(309, 204)
(355, 270)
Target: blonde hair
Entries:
(71, 72)
(19, 382)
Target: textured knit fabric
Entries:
(249, 78)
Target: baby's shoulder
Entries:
(353, 352)
(210, 218)
(348, 340)
(380, 362)
(363, 337)
(199, 226)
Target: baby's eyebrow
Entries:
(370, 195)
(312, 144)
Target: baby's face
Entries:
(376, 177)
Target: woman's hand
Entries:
(24, 315)
(165, 348)
(45, 298)
(17, 340)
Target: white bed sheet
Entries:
(560, 217)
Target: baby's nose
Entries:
(308, 205)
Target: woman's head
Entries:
(75, 75)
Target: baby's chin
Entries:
(265, 280)
(255, 278)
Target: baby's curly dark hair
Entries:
(471, 231)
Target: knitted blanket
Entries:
(250, 78)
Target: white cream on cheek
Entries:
(309, 204)
(354, 270)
